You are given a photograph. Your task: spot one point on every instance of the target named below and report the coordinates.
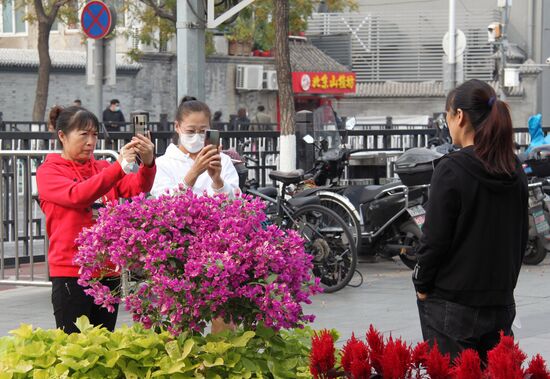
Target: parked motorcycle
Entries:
(386, 219)
(537, 167)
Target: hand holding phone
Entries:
(212, 138)
(140, 124)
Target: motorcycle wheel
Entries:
(412, 234)
(347, 215)
(535, 251)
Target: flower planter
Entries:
(240, 48)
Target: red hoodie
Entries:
(66, 191)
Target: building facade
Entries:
(394, 49)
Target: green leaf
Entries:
(208, 362)
(264, 332)
(83, 324)
(45, 361)
(173, 349)
(242, 340)
(111, 359)
(33, 350)
(187, 346)
(147, 342)
(217, 347)
(24, 331)
(271, 278)
(249, 364)
(73, 350)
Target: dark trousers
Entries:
(457, 327)
(70, 302)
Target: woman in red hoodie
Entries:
(72, 186)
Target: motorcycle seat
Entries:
(370, 192)
(268, 191)
(287, 177)
(298, 202)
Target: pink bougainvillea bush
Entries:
(200, 258)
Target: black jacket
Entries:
(113, 119)
(475, 233)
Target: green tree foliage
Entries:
(254, 22)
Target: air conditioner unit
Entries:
(270, 80)
(249, 77)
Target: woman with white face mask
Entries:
(192, 164)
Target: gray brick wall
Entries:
(153, 88)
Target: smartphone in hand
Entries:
(140, 124)
(212, 138)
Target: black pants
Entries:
(70, 302)
(457, 327)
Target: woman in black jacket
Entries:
(475, 232)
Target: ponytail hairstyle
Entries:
(72, 118)
(492, 123)
(188, 105)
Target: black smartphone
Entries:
(140, 124)
(212, 138)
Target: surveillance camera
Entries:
(548, 60)
(494, 31)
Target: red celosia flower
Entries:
(355, 359)
(375, 340)
(505, 360)
(467, 365)
(537, 368)
(420, 353)
(437, 364)
(321, 358)
(396, 362)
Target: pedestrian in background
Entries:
(242, 120)
(476, 228)
(77, 103)
(113, 118)
(261, 120)
(72, 186)
(217, 122)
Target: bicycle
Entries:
(327, 236)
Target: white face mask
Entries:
(192, 143)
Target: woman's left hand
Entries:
(421, 296)
(145, 148)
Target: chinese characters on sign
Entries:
(323, 82)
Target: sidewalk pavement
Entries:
(386, 299)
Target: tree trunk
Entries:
(287, 160)
(44, 68)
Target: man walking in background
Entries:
(261, 121)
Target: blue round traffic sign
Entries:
(97, 19)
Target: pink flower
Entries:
(199, 258)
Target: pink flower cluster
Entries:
(201, 258)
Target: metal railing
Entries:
(23, 238)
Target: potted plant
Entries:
(241, 37)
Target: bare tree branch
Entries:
(160, 10)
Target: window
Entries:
(13, 18)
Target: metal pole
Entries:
(503, 44)
(452, 43)
(191, 59)
(98, 85)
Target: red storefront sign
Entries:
(323, 82)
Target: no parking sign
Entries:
(97, 19)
